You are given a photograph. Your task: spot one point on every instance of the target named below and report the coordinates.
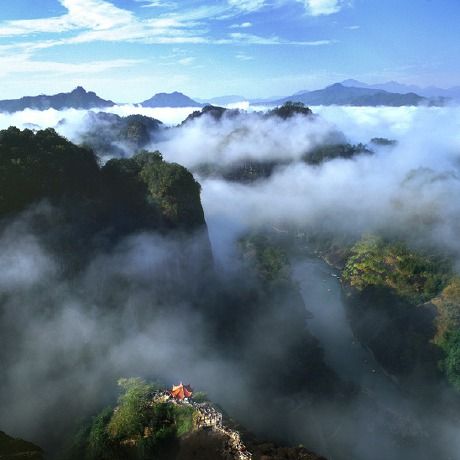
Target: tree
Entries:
(130, 417)
(34, 166)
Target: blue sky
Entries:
(127, 50)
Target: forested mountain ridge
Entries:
(121, 197)
(110, 135)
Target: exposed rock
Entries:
(218, 437)
(209, 421)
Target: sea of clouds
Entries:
(410, 189)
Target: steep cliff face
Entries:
(96, 205)
(127, 244)
(389, 288)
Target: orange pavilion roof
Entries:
(181, 391)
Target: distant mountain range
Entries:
(339, 94)
(349, 92)
(170, 100)
(395, 87)
(79, 98)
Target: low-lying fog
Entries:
(410, 189)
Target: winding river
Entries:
(321, 291)
(384, 422)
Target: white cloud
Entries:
(100, 20)
(186, 61)
(81, 14)
(353, 27)
(157, 4)
(313, 7)
(88, 21)
(408, 187)
(244, 57)
(322, 7)
(249, 136)
(247, 5)
(25, 64)
(243, 25)
(239, 37)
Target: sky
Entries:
(128, 50)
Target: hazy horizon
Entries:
(244, 98)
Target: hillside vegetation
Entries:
(136, 428)
(44, 165)
(413, 276)
(405, 304)
(147, 423)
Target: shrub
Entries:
(130, 417)
(172, 420)
(200, 397)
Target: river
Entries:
(322, 293)
(383, 422)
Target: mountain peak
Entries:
(78, 98)
(339, 94)
(174, 99)
(79, 90)
(355, 83)
(336, 86)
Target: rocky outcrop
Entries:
(215, 436)
(208, 425)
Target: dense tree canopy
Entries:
(109, 134)
(289, 109)
(413, 276)
(43, 165)
(94, 203)
(329, 152)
